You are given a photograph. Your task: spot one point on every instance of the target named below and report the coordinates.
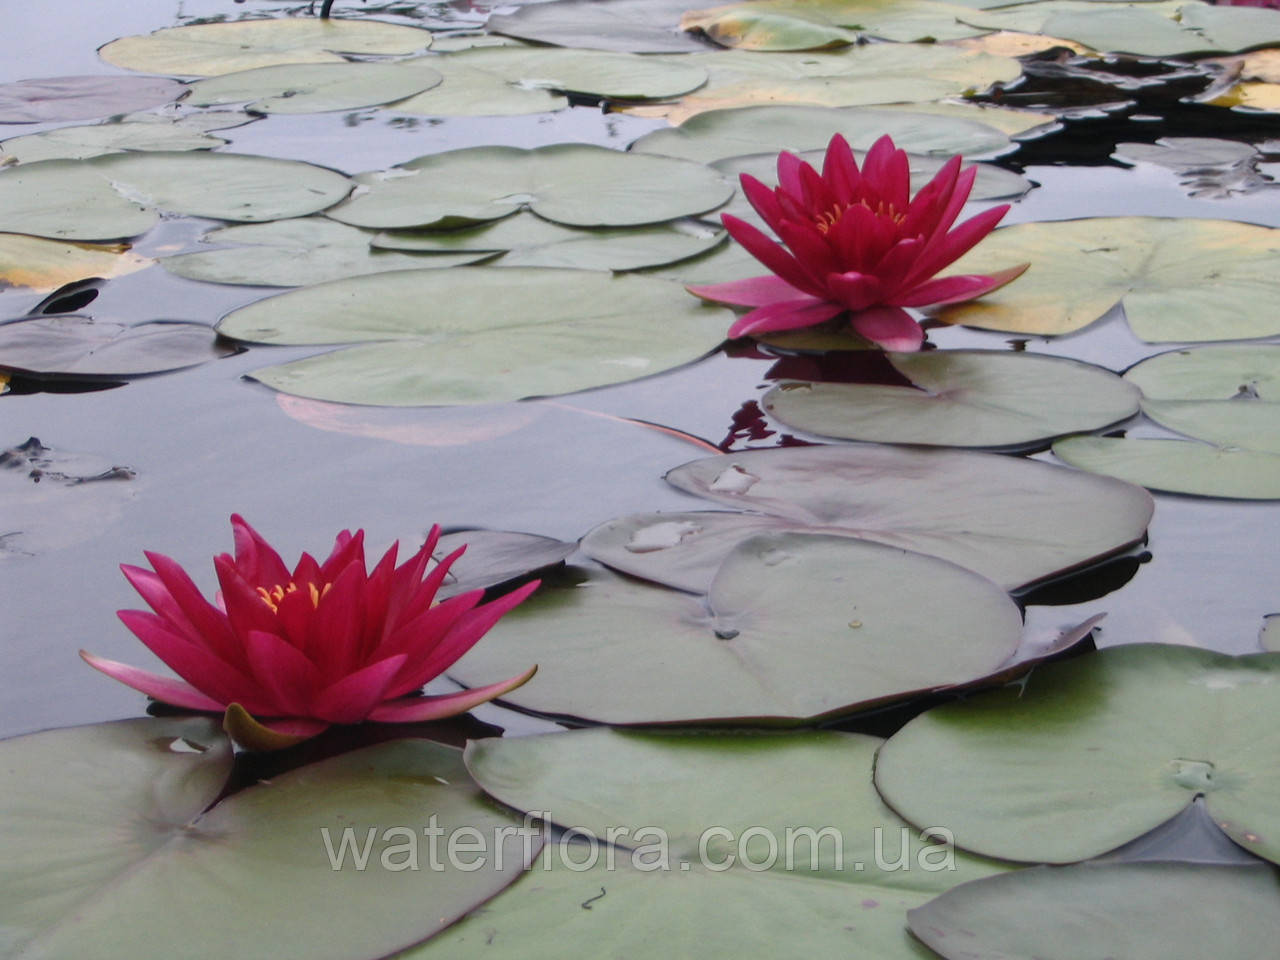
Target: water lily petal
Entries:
(351, 698)
(809, 247)
(752, 292)
(789, 180)
(762, 200)
(854, 291)
(417, 709)
(176, 693)
(771, 254)
(933, 200)
(288, 679)
(942, 252)
(246, 610)
(256, 559)
(253, 734)
(840, 170)
(198, 665)
(889, 327)
(958, 288)
(785, 315)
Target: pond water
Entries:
(204, 443)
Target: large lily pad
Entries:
(526, 240)
(315, 87)
(779, 25)
(1234, 424)
(212, 49)
(1178, 466)
(492, 334)
(294, 253)
(809, 791)
(635, 26)
(79, 143)
(1090, 753)
(1211, 373)
(52, 99)
(1178, 279)
(961, 398)
(1093, 910)
(68, 345)
(1146, 28)
(42, 265)
(107, 853)
(1014, 521)
(117, 195)
(575, 184)
(495, 557)
(794, 627)
(718, 134)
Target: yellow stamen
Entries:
(829, 218)
(275, 596)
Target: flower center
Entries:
(275, 596)
(829, 218)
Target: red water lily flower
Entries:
(326, 643)
(857, 243)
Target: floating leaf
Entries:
(212, 49)
(295, 253)
(575, 184)
(53, 99)
(961, 398)
(68, 345)
(862, 870)
(634, 26)
(43, 265)
(1145, 28)
(1178, 279)
(1211, 373)
(718, 134)
(108, 853)
(79, 143)
(495, 557)
(314, 87)
(1178, 466)
(468, 91)
(530, 241)
(1246, 424)
(492, 334)
(806, 24)
(794, 627)
(116, 195)
(1269, 637)
(1014, 521)
(1107, 910)
(1089, 753)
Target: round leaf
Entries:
(1014, 521)
(1178, 466)
(1090, 910)
(635, 26)
(1247, 424)
(492, 335)
(795, 627)
(574, 184)
(1179, 280)
(67, 199)
(212, 49)
(52, 99)
(1210, 373)
(1092, 752)
(792, 25)
(79, 143)
(314, 87)
(963, 398)
(43, 265)
(494, 557)
(74, 346)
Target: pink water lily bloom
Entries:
(856, 244)
(326, 643)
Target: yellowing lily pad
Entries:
(491, 334)
(1178, 280)
(314, 87)
(963, 398)
(43, 265)
(212, 49)
(794, 627)
(1090, 753)
(574, 184)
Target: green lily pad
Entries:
(863, 873)
(108, 854)
(1269, 637)
(117, 195)
(1090, 753)
(1014, 521)
(526, 240)
(1211, 373)
(1091, 910)
(628, 26)
(1178, 279)
(44, 265)
(718, 134)
(1144, 27)
(492, 335)
(779, 25)
(53, 99)
(505, 72)
(212, 49)
(295, 253)
(79, 143)
(314, 87)
(961, 398)
(1199, 28)
(495, 557)
(68, 345)
(1243, 424)
(794, 627)
(574, 184)
(1177, 466)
